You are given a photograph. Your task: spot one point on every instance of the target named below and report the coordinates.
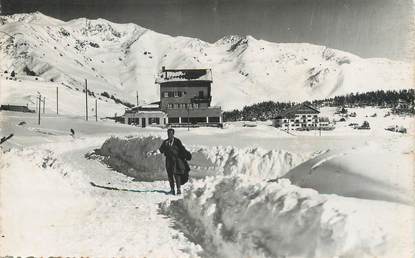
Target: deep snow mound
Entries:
(373, 171)
(44, 163)
(254, 162)
(236, 217)
(137, 157)
(38, 192)
(140, 158)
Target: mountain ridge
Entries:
(125, 58)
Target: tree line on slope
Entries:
(389, 98)
(269, 109)
(117, 100)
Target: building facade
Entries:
(301, 117)
(17, 108)
(147, 115)
(185, 96)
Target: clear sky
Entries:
(369, 28)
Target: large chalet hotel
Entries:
(185, 97)
(301, 117)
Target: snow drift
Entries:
(370, 172)
(139, 158)
(235, 217)
(38, 195)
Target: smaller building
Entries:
(324, 123)
(300, 117)
(146, 115)
(18, 108)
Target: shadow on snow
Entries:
(128, 190)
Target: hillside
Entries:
(124, 58)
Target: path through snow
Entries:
(91, 222)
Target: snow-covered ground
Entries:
(256, 191)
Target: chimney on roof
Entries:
(163, 68)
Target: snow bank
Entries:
(38, 197)
(235, 217)
(49, 209)
(255, 162)
(139, 158)
(374, 171)
(136, 157)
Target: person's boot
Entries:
(172, 191)
(178, 191)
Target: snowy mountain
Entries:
(124, 58)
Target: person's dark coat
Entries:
(176, 158)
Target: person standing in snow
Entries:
(176, 165)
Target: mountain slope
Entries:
(124, 58)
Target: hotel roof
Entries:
(172, 75)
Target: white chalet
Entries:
(146, 115)
(300, 117)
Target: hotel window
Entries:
(169, 106)
(176, 94)
(179, 93)
(165, 94)
(171, 94)
(195, 105)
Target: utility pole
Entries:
(188, 121)
(96, 110)
(44, 103)
(86, 100)
(137, 98)
(57, 101)
(39, 101)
